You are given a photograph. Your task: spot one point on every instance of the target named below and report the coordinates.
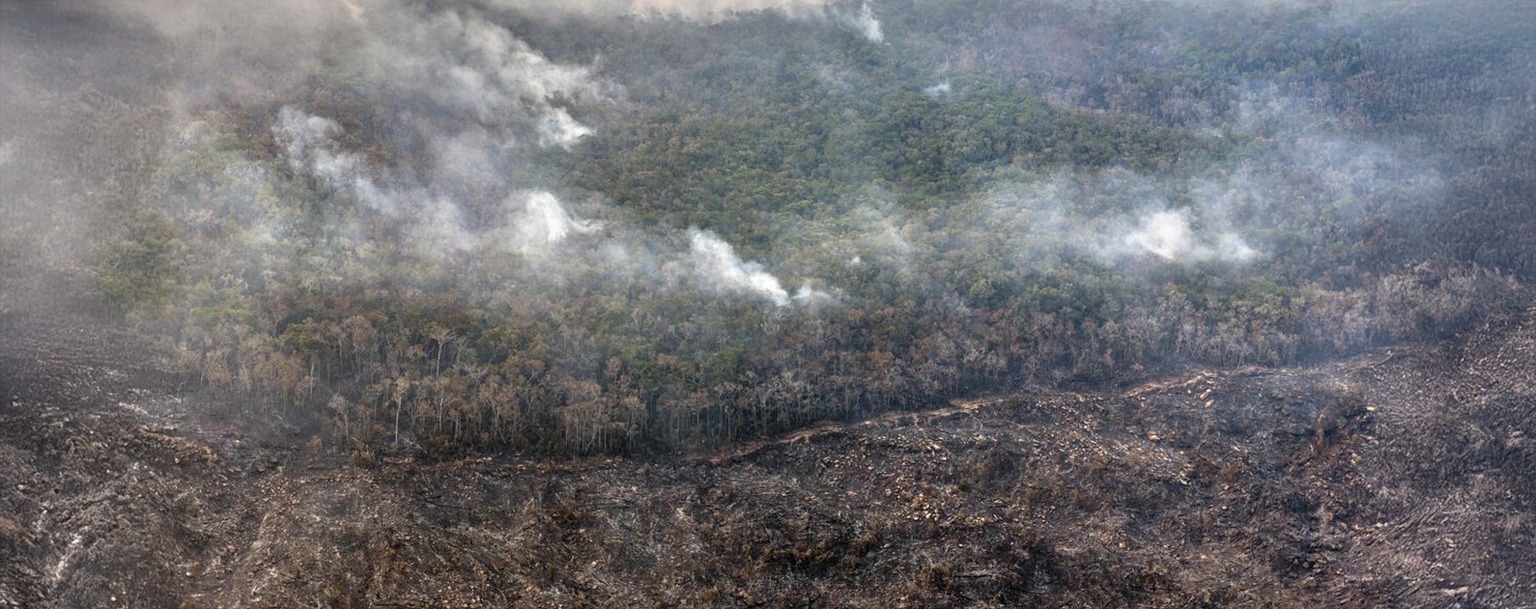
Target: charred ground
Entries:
(1399, 478)
(430, 303)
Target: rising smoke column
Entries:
(470, 99)
(718, 267)
(705, 10)
(539, 221)
(544, 223)
(864, 23)
(310, 146)
(479, 97)
(452, 76)
(1170, 236)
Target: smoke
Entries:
(544, 222)
(717, 267)
(247, 50)
(478, 70)
(1169, 235)
(310, 147)
(7, 152)
(447, 170)
(810, 297)
(939, 91)
(705, 10)
(353, 9)
(1117, 216)
(538, 219)
(557, 128)
(862, 22)
(189, 19)
(479, 98)
(1299, 170)
(1316, 156)
(452, 69)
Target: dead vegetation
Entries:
(1401, 479)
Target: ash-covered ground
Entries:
(1403, 478)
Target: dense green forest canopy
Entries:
(450, 226)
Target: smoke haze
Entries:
(1168, 235)
(693, 9)
(719, 268)
(622, 200)
(863, 22)
(545, 222)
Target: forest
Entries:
(442, 229)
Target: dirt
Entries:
(1402, 478)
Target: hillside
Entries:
(1169, 303)
(459, 229)
(1397, 478)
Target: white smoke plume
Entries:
(189, 18)
(544, 222)
(1118, 215)
(861, 20)
(864, 23)
(718, 267)
(557, 128)
(706, 10)
(309, 146)
(7, 152)
(478, 96)
(354, 10)
(470, 159)
(810, 297)
(474, 70)
(480, 72)
(1170, 235)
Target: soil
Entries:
(1402, 478)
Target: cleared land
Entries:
(1401, 478)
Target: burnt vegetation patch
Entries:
(886, 303)
(1281, 487)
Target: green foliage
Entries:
(142, 268)
(955, 227)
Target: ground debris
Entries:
(1349, 484)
